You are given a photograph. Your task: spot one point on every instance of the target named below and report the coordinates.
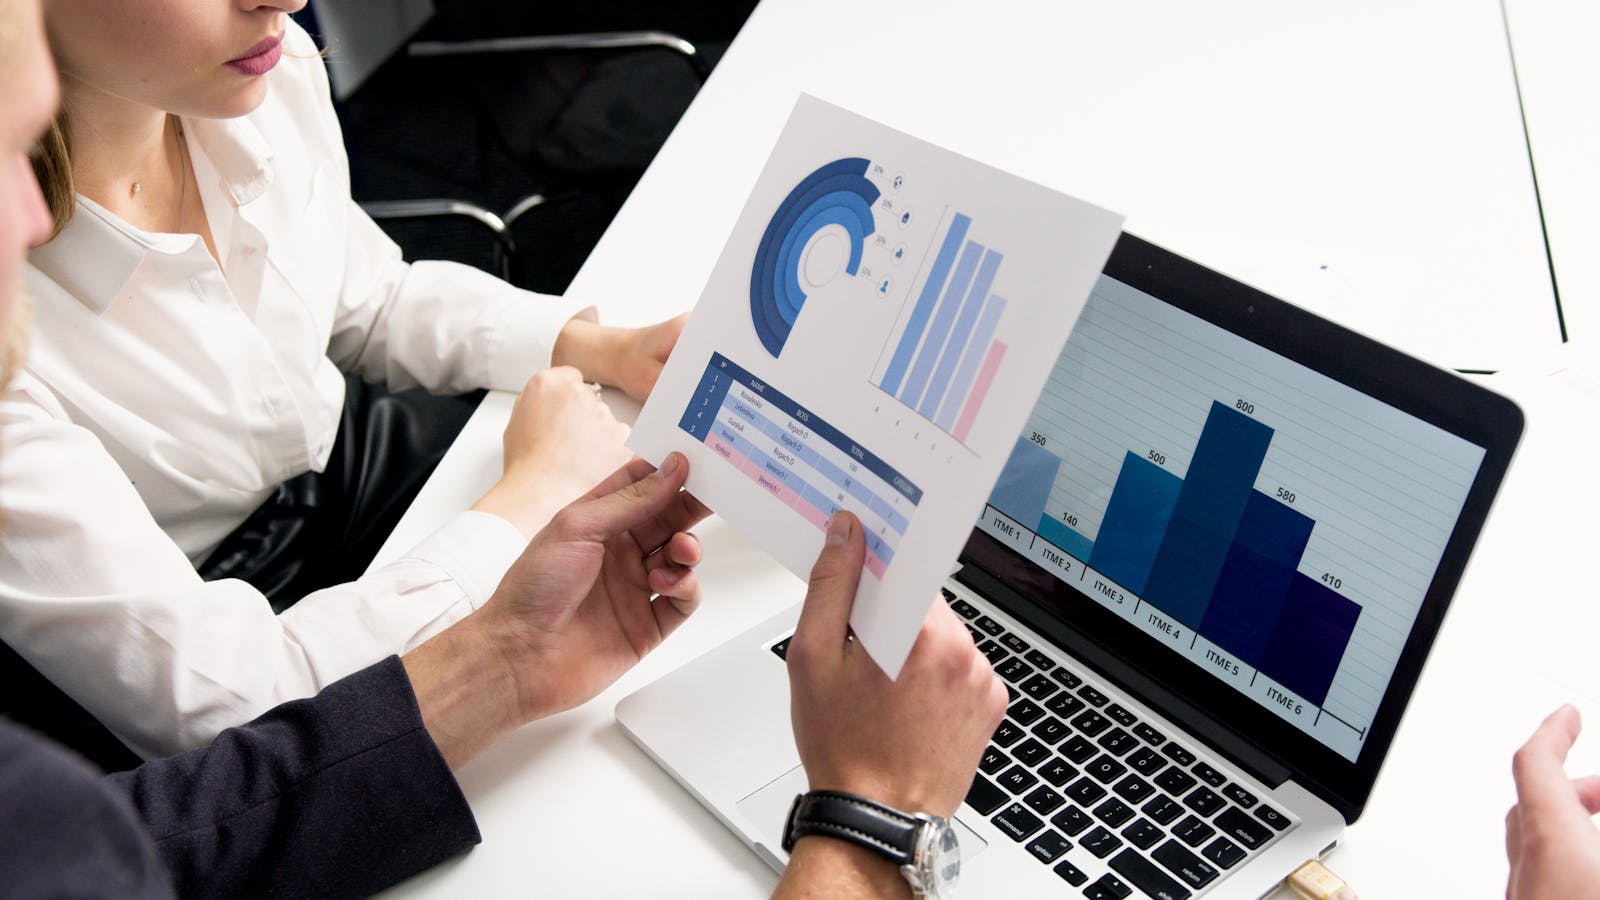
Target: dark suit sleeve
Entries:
(339, 795)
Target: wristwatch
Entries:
(925, 847)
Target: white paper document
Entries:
(873, 338)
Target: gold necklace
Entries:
(183, 174)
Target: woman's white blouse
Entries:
(164, 399)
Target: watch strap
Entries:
(855, 819)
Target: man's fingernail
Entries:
(671, 464)
(838, 529)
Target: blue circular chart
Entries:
(838, 194)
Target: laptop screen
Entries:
(1271, 528)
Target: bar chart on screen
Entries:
(942, 356)
(1255, 517)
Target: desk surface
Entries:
(1267, 143)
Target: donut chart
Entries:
(837, 196)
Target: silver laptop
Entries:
(1209, 575)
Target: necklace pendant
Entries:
(137, 187)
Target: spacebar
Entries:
(1144, 875)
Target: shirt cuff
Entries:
(524, 337)
(474, 549)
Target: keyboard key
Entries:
(1050, 730)
(1194, 871)
(1072, 820)
(1091, 723)
(1044, 801)
(1013, 669)
(1007, 733)
(1209, 775)
(1113, 812)
(1121, 716)
(1272, 817)
(989, 626)
(1174, 781)
(1105, 769)
(1223, 852)
(1077, 748)
(1030, 752)
(1100, 842)
(1025, 712)
(1109, 887)
(1039, 687)
(782, 648)
(1239, 795)
(1058, 772)
(1204, 802)
(949, 595)
(1038, 660)
(1017, 822)
(1174, 752)
(1094, 697)
(993, 760)
(1014, 643)
(1017, 779)
(1163, 809)
(1193, 832)
(1134, 789)
(1117, 741)
(1066, 678)
(1012, 694)
(1143, 834)
(1152, 736)
(1049, 846)
(983, 796)
(977, 636)
(964, 609)
(1064, 705)
(1146, 762)
(1085, 791)
(1070, 873)
(993, 651)
(1145, 876)
(1237, 824)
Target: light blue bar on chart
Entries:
(977, 348)
(954, 293)
(923, 311)
(961, 335)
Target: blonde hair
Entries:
(52, 165)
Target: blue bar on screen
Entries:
(1255, 578)
(1136, 518)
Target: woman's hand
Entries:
(627, 358)
(561, 441)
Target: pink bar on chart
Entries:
(969, 412)
(876, 565)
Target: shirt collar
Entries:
(96, 254)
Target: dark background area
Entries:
(578, 127)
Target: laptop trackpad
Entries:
(768, 807)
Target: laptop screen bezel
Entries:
(1441, 398)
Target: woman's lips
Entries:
(260, 59)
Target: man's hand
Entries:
(602, 585)
(627, 358)
(1551, 841)
(912, 743)
(562, 440)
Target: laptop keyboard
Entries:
(1087, 786)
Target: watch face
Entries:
(938, 859)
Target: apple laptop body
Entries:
(1209, 575)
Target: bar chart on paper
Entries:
(942, 356)
(1180, 478)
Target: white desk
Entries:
(1265, 143)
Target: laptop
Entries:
(1209, 575)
